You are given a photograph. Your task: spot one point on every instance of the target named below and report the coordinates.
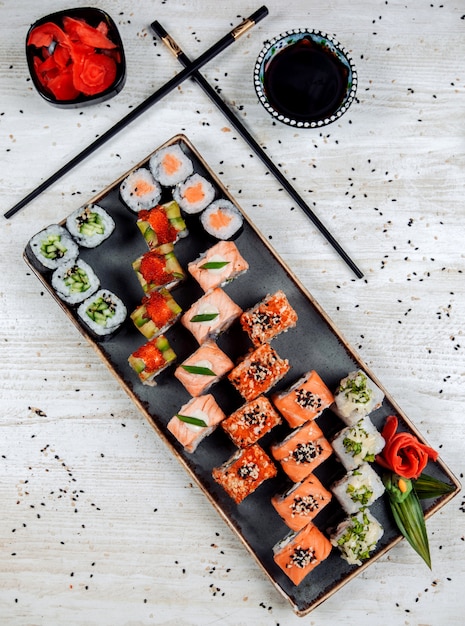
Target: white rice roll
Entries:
(75, 281)
(194, 194)
(357, 536)
(358, 489)
(170, 166)
(103, 312)
(90, 225)
(139, 190)
(356, 396)
(222, 220)
(358, 443)
(53, 247)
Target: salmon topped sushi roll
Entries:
(258, 372)
(304, 400)
(155, 270)
(356, 396)
(269, 318)
(151, 359)
(302, 451)
(157, 312)
(302, 502)
(205, 367)
(251, 421)
(299, 553)
(170, 165)
(162, 226)
(195, 420)
(218, 266)
(210, 315)
(244, 472)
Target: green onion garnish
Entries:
(197, 369)
(214, 265)
(204, 317)
(196, 421)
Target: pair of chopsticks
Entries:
(191, 69)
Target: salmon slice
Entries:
(302, 451)
(218, 265)
(211, 315)
(251, 421)
(205, 367)
(195, 420)
(258, 372)
(302, 502)
(269, 318)
(244, 472)
(304, 400)
(299, 553)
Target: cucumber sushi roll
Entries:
(194, 194)
(139, 190)
(170, 166)
(103, 313)
(75, 281)
(222, 220)
(53, 247)
(90, 225)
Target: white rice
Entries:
(67, 251)
(358, 443)
(159, 172)
(65, 292)
(136, 200)
(356, 396)
(179, 194)
(111, 323)
(76, 224)
(357, 536)
(234, 225)
(358, 489)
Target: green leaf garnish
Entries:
(196, 421)
(429, 487)
(214, 265)
(204, 317)
(197, 369)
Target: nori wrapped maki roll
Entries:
(75, 281)
(103, 313)
(90, 225)
(52, 247)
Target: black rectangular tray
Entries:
(315, 343)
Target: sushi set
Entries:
(234, 365)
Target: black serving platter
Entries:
(314, 343)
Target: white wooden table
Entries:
(99, 523)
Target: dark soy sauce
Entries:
(305, 81)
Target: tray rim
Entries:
(428, 512)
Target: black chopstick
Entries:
(208, 55)
(235, 121)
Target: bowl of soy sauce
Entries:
(305, 78)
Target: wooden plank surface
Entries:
(100, 524)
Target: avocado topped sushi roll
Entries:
(157, 312)
(139, 190)
(155, 270)
(103, 313)
(75, 281)
(162, 226)
(90, 225)
(151, 359)
(52, 247)
(170, 165)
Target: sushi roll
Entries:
(52, 247)
(205, 367)
(218, 266)
(194, 194)
(251, 422)
(357, 536)
(302, 451)
(155, 270)
(162, 226)
(222, 220)
(258, 372)
(103, 313)
(157, 312)
(244, 472)
(90, 225)
(358, 489)
(357, 444)
(139, 190)
(299, 553)
(269, 318)
(75, 281)
(196, 420)
(356, 396)
(302, 502)
(304, 400)
(170, 165)
(211, 315)
(151, 359)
